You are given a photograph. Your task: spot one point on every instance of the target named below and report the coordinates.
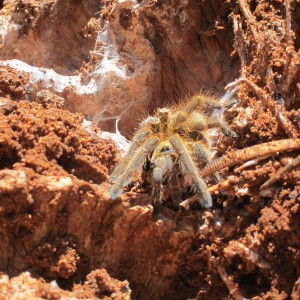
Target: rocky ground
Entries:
(63, 62)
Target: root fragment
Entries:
(292, 70)
(288, 20)
(288, 168)
(224, 185)
(250, 163)
(254, 152)
(246, 254)
(240, 44)
(232, 287)
(248, 16)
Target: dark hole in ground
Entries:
(8, 156)
(253, 284)
(81, 169)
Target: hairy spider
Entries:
(176, 143)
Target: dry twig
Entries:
(288, 20)
(279, 174)
(245, 253)
(293, 68)
(249, 17)
(232, 287)
(240, 44)
(238, 156)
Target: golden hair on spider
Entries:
(175, 142)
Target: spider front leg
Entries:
(157, 196)
(189, 168)
(214, 122)
(135, 164)
(162, 164)
(176, 191)
(137, 140)
(170, 191)
(165, 176)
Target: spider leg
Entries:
(227, 104)
(213, 122)
(164, 119)
(201, 153)
(197, 102)
(170, 190)
(134, 164)
(176, 191)
(163, 165)
(202, 101)
(178, 118)
(188, 167)
(157, 195)
(196, 121)
(137, 140)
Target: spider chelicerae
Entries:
(175, 144)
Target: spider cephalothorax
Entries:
(176, 143)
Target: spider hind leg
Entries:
(214, 122)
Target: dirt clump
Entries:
(56, 218)
(98, 285)
(12, 83)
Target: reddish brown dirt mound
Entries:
(57, 222)
(99, 285)
(12, 83)
(56, 219)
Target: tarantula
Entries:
(175, 143)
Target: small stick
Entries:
(248, 16)
(246, 11)
(240, 44)
(244, 252)
(224, 185)
(292, 65)
(288, 20)
(288, 168)
(293, 69)
(232, 287)
(250, 163)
